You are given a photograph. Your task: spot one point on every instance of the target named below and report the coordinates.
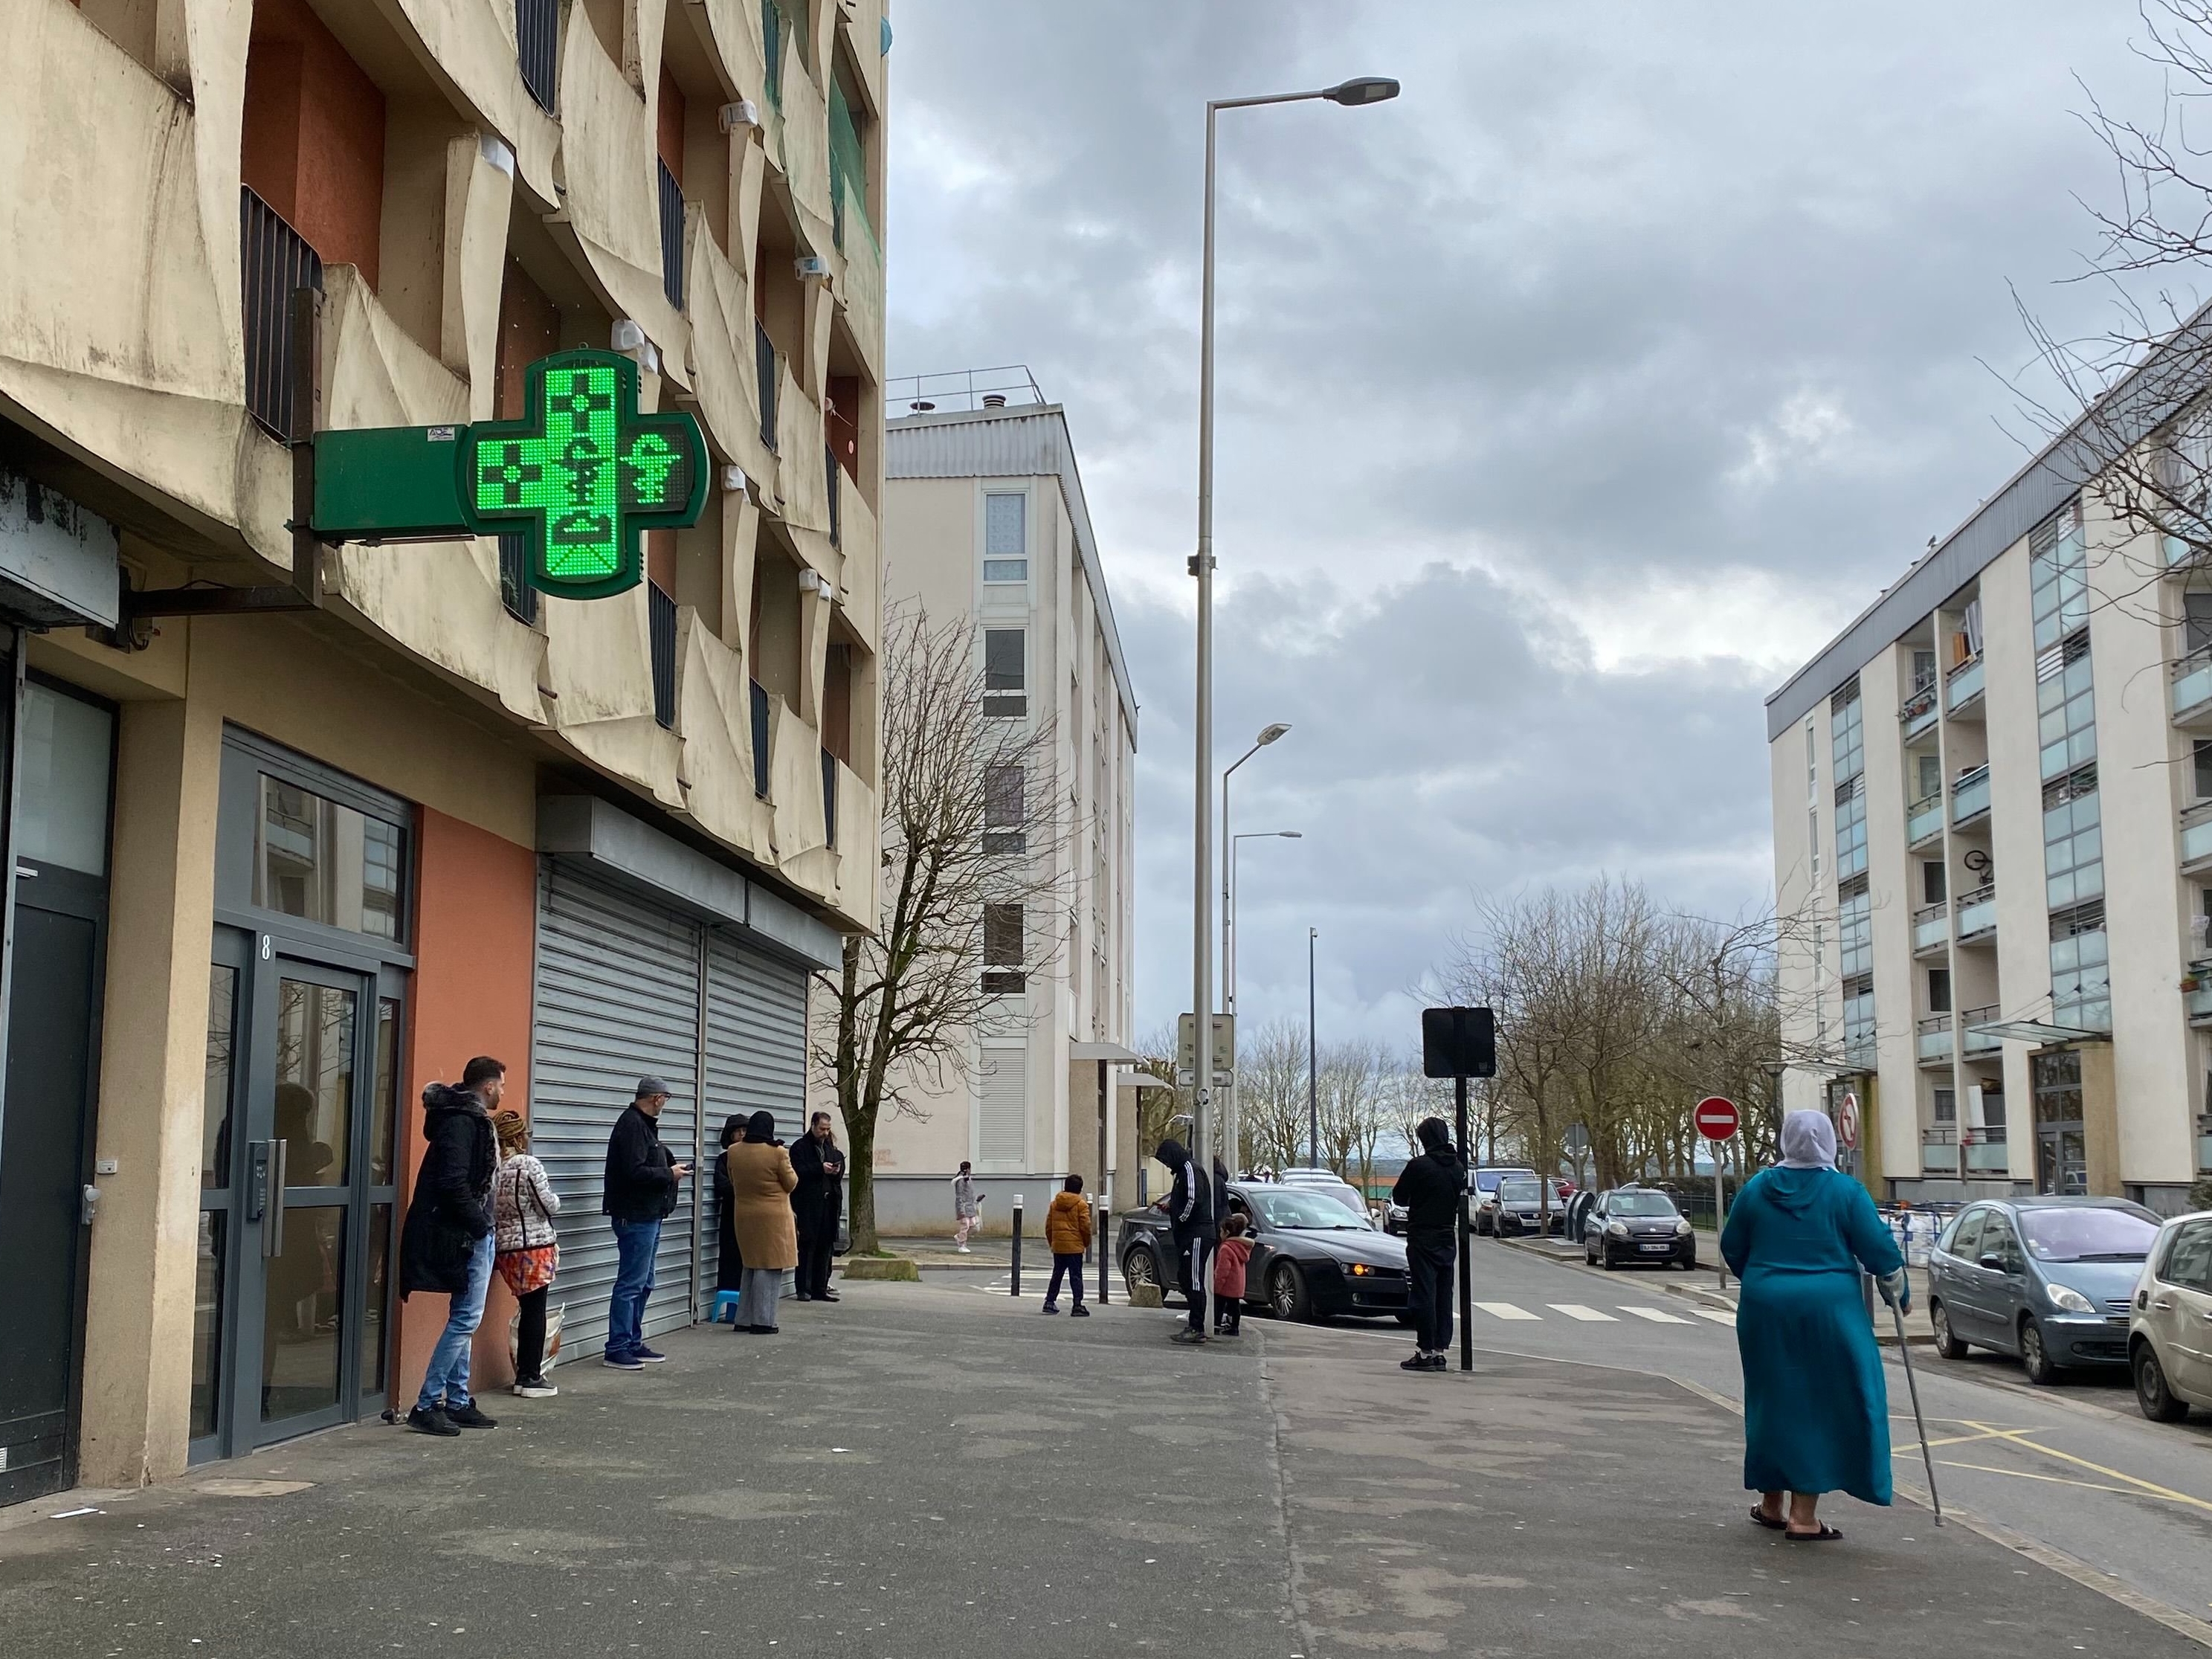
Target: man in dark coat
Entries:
(638, 1193)
(1190, 1212)
(816, 1203)
(1430, 1186)
(446, 1245)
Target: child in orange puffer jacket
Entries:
(1067, 1236)
(1228, 1259)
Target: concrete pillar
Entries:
(1875, 1160)
(138, 1327)
(2100, 1119)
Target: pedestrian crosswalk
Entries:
(1582, 1313)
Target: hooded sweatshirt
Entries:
(451, 1206)
(1429, 1186)
(1190, 1200)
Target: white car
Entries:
(2170, 1324)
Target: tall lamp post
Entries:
(1313, 1070)
(1364, 89)
(1231, 1122)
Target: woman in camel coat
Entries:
(761, 1179)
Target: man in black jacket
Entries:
(446, 1245)
(1189, 1207)
(639, 1193)
(1429, 1186)
(819, 1163)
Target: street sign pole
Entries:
(1720, 1216)
(1465, 1250)
(1716, 1119)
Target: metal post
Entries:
(306, 321)
(1466, 1249)
(1105, 1220)
(1201, 1001)
(1720, 1215)
(1015, 1286)
(1313, 1075)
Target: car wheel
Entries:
(1947, 1341)
(2156, 1400)
(1589, 1256)
(1286, 1291)
(2034, 1358)
(1138, 1268)
(1605, 1260)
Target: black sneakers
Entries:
(468, 1417)
(431, 1421)
(1426, 1362)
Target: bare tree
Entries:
(972, 891)
(1271, 1094)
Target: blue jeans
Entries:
(447, 1380)
(635, 1242)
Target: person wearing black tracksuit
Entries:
(1429, 1186)
(1190, 1211)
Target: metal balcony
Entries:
(660, 629)
(1986, 1151)
(1978, 914)
(1919, 712)
(829, 798)
(1932, 1044)
(1980, 1045)
(1964, 687)
(2198, 1000)
(671, 237)
(2197, 837)
(1931, 928)
(1939, 1148)
(276, 260)
(760, 740)
(537, 47)
(1970, 796)
(2189, 693)
(1923, 820)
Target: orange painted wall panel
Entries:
(475, 901)
(312, 147)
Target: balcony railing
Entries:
(661, 625)
(538, 46)
(829, 797)
(1934, 1039)
(2199, 1000)
(2192, 684)
(1918, 712)
(1981, 1043)
(1939, 1147)
(515, 591)
(1931, 926)
(671, 237)
(1970, 795)
(1986, 1152)
(2197, 832)
(760, 740)
(764, 372)
(1964, 685)
(1923, 819)
(772, 47)
(1978, 913)
(275, 261)
(1859, 1050)
(830, 470)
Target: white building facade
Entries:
(984, 517)
(1992, 799)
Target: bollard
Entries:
(1014, 1286)
(1102, 1218)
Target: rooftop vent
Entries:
(921, 405)
(994, 400)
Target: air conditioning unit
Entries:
(743, 114)
(810, 264)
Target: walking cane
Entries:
(1912, 1386)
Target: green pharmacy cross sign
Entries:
(579, 477)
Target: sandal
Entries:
(1771, 1522)
(1828, 1534)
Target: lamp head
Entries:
(1362, 90)
(1269, 734)
(1292, 834)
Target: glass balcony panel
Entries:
(1971, 795)
(1966, 683)
(2192, 681)
(1930, 931)
(2196, 838)
(1935, 1038)
(1986, 1156)
(1978, 918)
(1924, 818)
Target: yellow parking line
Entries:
(2019, 1438)
(2024, 1474)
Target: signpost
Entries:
(1717, 1120)
(1459, 1044)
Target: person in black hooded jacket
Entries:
(1190, 1211)
(447, 1245)
(1430, 1186)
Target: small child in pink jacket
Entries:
(1228, 1259)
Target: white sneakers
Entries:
(538, 1390)
(964, 1250)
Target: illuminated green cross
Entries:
(582, 473)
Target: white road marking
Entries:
(1575, 1310)
(1657, 1317)
(1718, 1316)
(1506, 1310)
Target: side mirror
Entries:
(1994, 1263)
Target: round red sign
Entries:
(1716, 1117)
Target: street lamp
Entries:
(1362, 90)
(1313, 1070)
(1269, 734)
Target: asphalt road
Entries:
(2075, 1467)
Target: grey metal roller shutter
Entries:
(756, 1045)
(617, 999)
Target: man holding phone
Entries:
(815, 1204)
(639, 1191)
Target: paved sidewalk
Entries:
(927, 1469)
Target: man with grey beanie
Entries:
(643, 1180)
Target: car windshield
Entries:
(1640, 1204)
(1486, 1181)
(1298, 1211)
(1516, 1192)
(2087, 1235)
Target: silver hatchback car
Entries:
(2170, 1336)
(2050, 1279)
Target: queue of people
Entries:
(482, 1204)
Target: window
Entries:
(1932, 889)
(1855, 933)
(2058, 576)
(1965, 1239)
(1858, 1021)
(2081, 987)
(322, 861)
(1923, 670)
(1812, 764)
(1005, 809)
(1930, 775)
(1844, 710)
(1006, 670)
(1006, 538)
(2073, 841)
(2065, 707)
(2188, 1260)
(1947, 1106)
(2196, 621)
(1850, 828)
(2201, 755)
(1939, 990)
(1002, 949)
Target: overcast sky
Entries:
(1566, 403)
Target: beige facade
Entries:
(471, 183)
(1989, 795)
(984, 518)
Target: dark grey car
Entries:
(2049, 1279)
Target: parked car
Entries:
(1521, 1209)
(2170, 1325)
(1482, 1185)
(1394, 1219)
(1637, 1223)
(2050, 1279)
(1312, 1255)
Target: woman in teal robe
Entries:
(1815, 1408)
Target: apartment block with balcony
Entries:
(985, 520)
(299, 835)
(1993, 850)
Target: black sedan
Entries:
(1310, 1256)
(1637, 1224)
(1524, 1207)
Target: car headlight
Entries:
(1682, 1227)
(1617, 1229)
(1360, 1270)
(2067, 1299)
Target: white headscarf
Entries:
(1808, 1141)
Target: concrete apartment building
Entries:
(1992, 805)
(278, 864)
(984, 517)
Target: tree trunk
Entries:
(860, 1138)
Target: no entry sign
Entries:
(1716, 1117)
